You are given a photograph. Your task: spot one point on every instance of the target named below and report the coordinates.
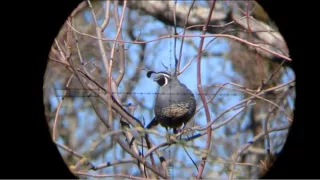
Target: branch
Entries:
(266, 100)
(121, 46)
(139, 158)
(106, 17)
(182, 40)
(58, 110)
(255, 139)
(199, 12)
(208, 142)
(89, 86)
(192, 36)
(175, 39)
(189, 63)
(242, 102)
(117, 176)
(266, 128)
(76, 154)
(117, 162)
(99, 37)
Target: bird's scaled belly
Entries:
(175, 110)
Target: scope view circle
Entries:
(169, 89)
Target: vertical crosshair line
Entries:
(170, 30)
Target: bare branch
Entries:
(255, 139)
(109, 164)
(58, 110)
(208, 142)
(99, 37)
(192, 36)
(121, 46)
(106, 17)
(199, 13)
(175, 39)
(109, 175)
(182, 40)
(76, 154)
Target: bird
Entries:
(175, 104)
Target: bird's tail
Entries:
(153, 123)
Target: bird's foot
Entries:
(170, 137)
(179, 131)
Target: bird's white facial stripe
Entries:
(165, 81)
(166, 75)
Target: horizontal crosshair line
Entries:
(82, 93)
(150, 93)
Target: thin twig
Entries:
(155, 148)
(69, 150)
(104, 58)
(107, 66)
(60, 103)
(194, 163)
(139, 158)
(127, 134)
(81, 6)
(121, 111)
(223, 122)
(149, 142)
(99, 37)
(76, 154)
(241, 164)
(264, 99)
(79, 52)
(208, 142)
(58, 110)
(117, 162)
(268, 30)
(229, 119)
(95, 144)
(266, 128)
(64, 59)
(118, 108)
(106, 17)
(117, 176)
(182, 40)
(220, 87)
(175, 39)
(196, 56)
(215, 26)
(258, 61)
(255, 139)
(191, 36)
(121, 46)
(234, 106)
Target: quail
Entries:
(175, 104)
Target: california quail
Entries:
(175, 104)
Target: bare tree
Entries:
(229, 53)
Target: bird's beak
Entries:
(156, 78)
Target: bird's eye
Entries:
(162, 81)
